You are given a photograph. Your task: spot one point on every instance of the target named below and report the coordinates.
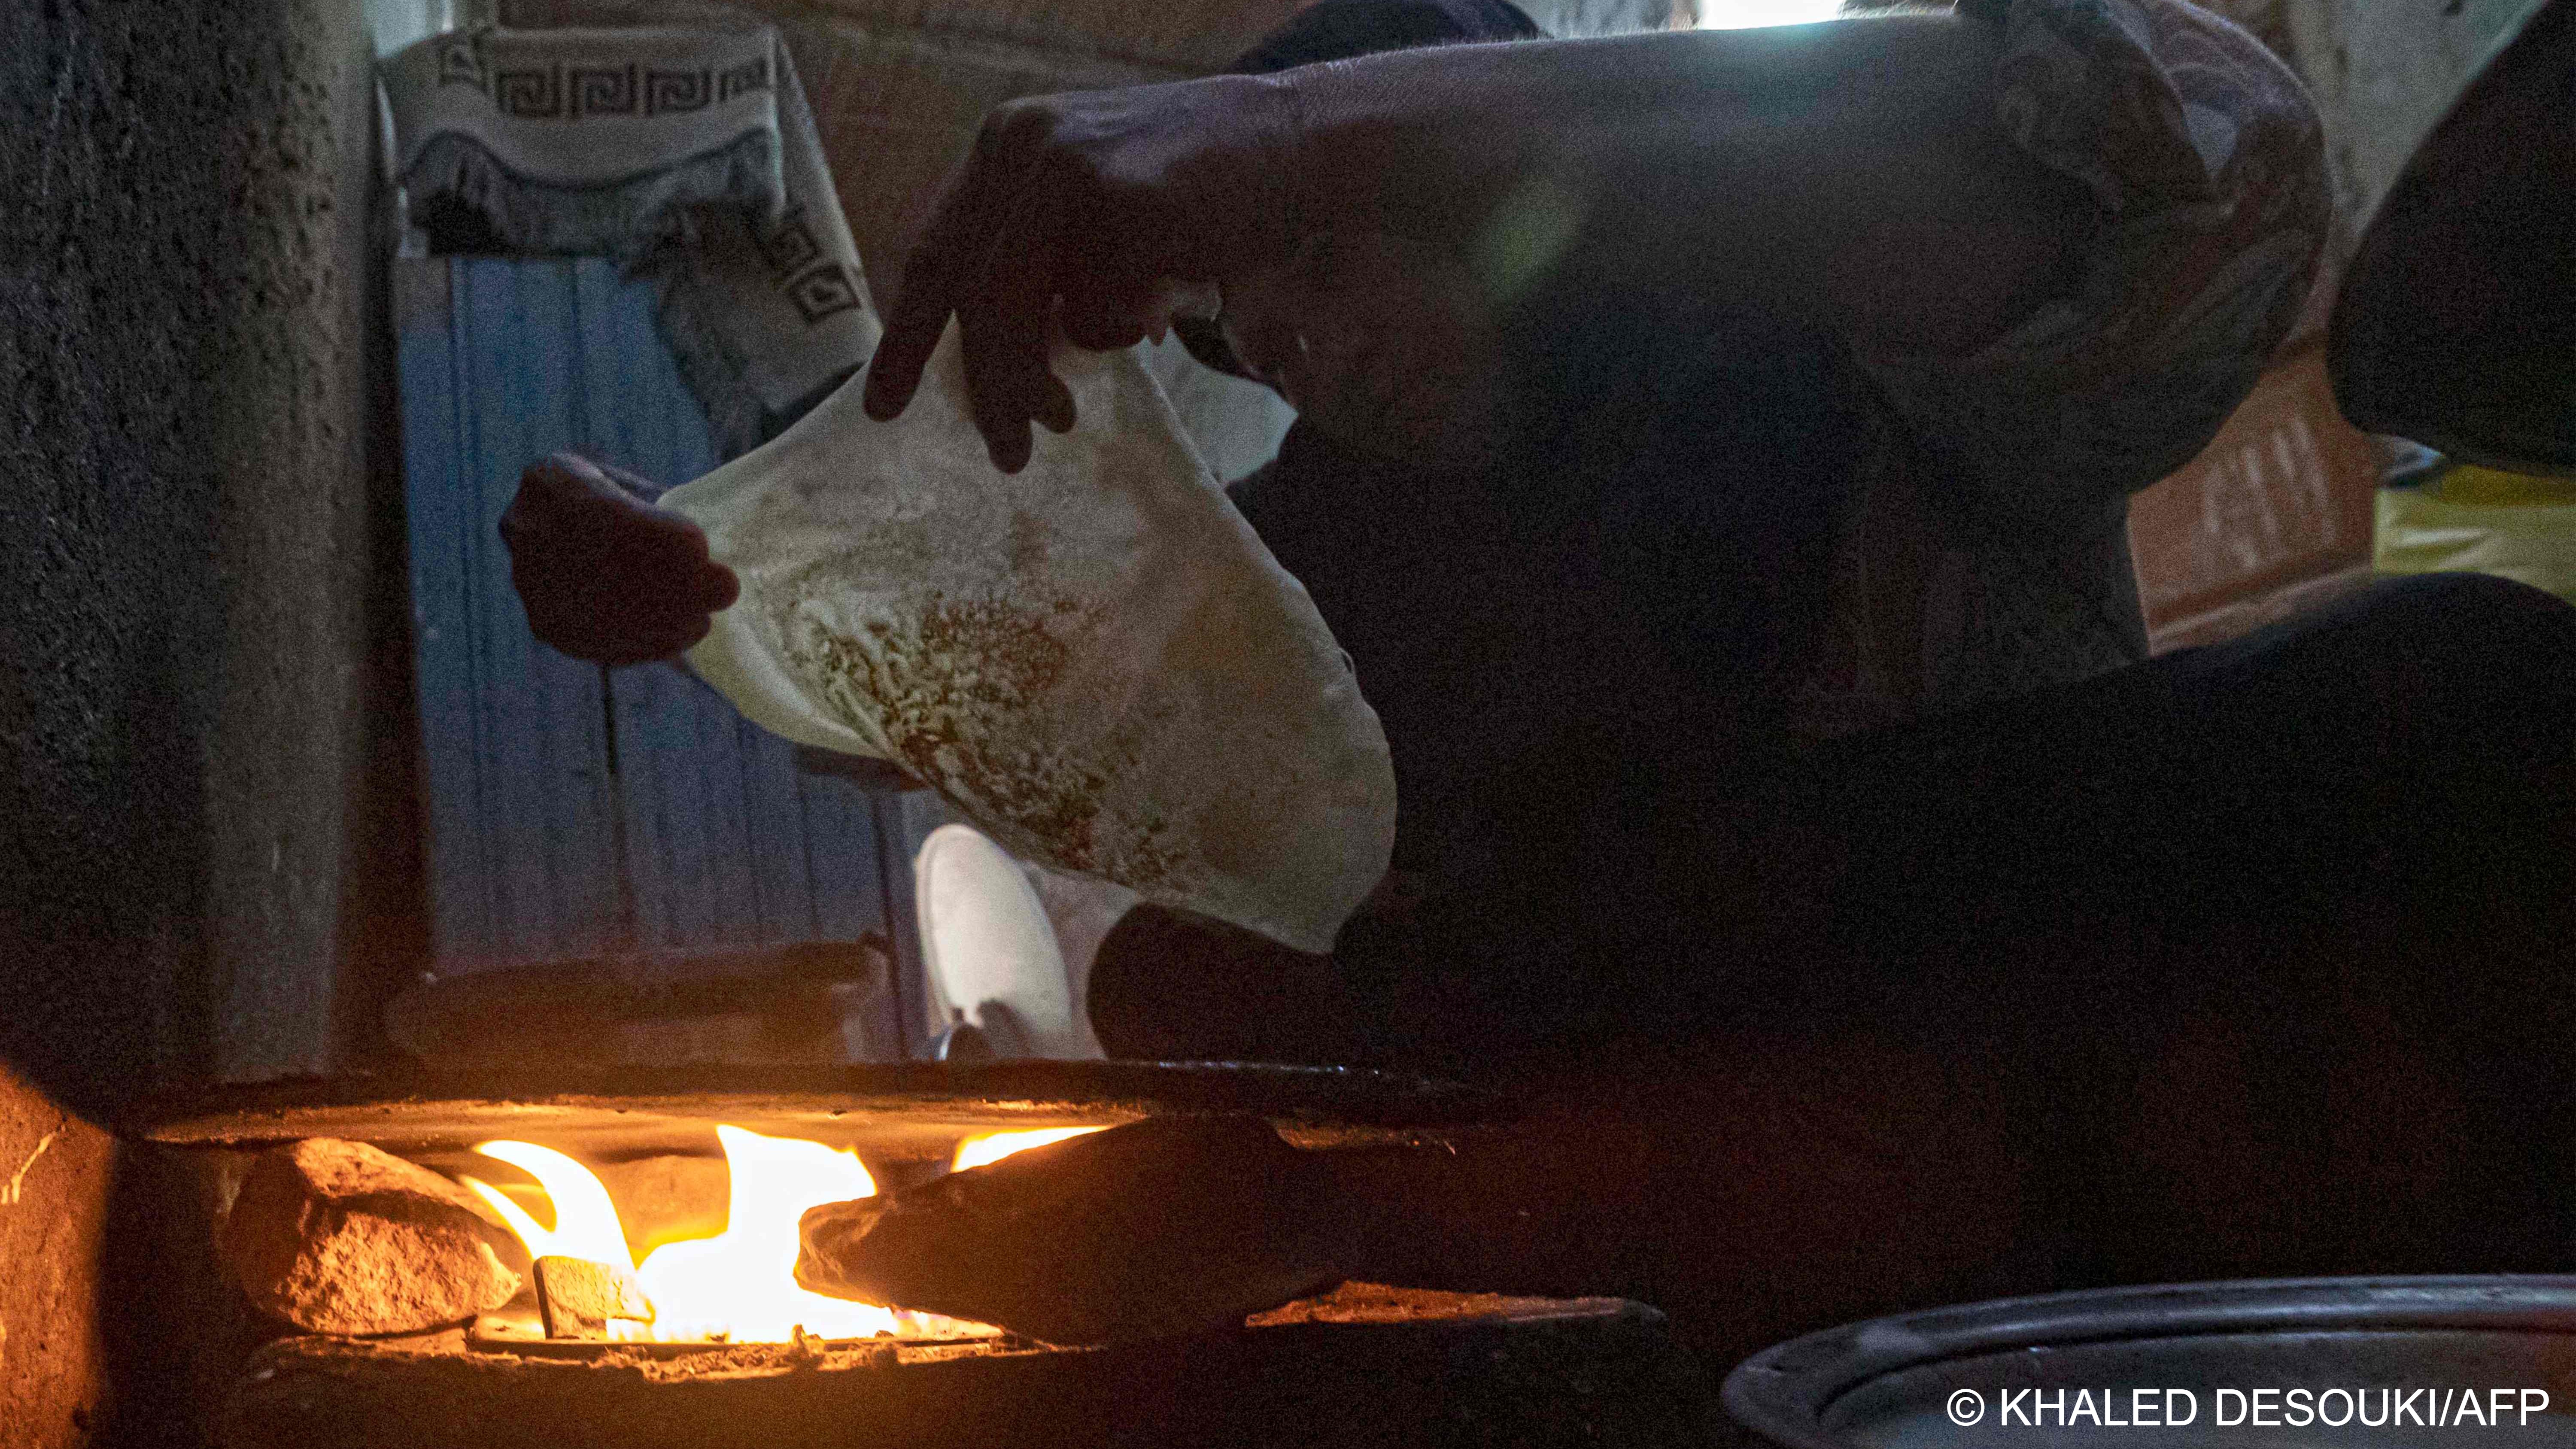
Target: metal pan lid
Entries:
(1993, 1373)
(427, 1107)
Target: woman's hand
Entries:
(1089, 217)
(603, 574)
(1850, 178)
(1082, 216)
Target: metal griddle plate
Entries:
(900, 1111)
(2457, 322)
(1890, 1382)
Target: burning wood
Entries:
(580, 1298)
(341, 1237)
(1170, 1225)
(734, 1287)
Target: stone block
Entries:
(578, 1297)
(340, 1237)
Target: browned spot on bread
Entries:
(954, 694)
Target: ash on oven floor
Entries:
(1364, 1365)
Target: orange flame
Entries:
(738, 1286)
(992, 1147)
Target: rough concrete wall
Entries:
(1108, 40)
(182, 534)
(2383, 72)
(1604, 17)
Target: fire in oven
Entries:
(644, 1259)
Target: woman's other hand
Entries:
(1852, 178)
(603, 574)
(1079, 216)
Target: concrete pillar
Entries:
(190, 552)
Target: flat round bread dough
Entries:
(1094, 660)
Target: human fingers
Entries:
(570, 509)
(965, 226)
(914, 323)
(933, 270)
(591, 618)
(635, 485)
(1004, 326)
(719, 587)
(603, 576)
(1101, 328)
(547, 490)
(614, 636)
(568, 485)
(1055, 406)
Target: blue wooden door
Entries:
(574, 813)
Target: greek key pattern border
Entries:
(570, 92)
(801, 270)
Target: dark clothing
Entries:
(1715, 539)
(2256, 952)
(2388, 786)
(2375, 803)
(1638, 585)
(1773, 685)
